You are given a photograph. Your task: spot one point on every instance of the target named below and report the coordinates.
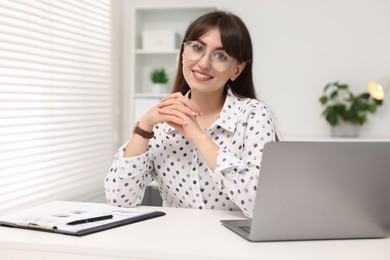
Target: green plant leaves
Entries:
(365, 95)
(340, 103)
(343, 86)
(323, 100)
(334, 94)
(332, 119)
(372, 108)
(159, 76)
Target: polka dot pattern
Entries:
(241, 131)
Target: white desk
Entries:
(180, 234)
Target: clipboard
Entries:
(76, 218)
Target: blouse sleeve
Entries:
(237, 173)
(127, 178)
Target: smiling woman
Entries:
(203, 143)
(56, 100)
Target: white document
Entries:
(77, 218)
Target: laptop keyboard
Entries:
(246, 229)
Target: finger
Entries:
(172, 96)
(177, 105)
(175, 113)
(190, 104)
(172, 117)
(185, 100)
(174, 125)
(178, 97)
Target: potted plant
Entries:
(345, 111)
(159, 79)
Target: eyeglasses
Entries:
(194, 51)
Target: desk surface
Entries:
(180, 234)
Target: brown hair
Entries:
(236, 41)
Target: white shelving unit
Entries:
(155, 18)
(142, 61)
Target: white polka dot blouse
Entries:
(184, 179)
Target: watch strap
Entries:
(139, 131)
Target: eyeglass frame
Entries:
(185, 43)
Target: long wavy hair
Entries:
(236, 41)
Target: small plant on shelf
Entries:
(159, 76)
(341, 104)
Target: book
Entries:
(76, 218)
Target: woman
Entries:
(202, 144)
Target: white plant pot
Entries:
(159, 88)
(345, 129)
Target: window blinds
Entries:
(56, 101)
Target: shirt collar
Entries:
(228, 117)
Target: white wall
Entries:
(301, 45)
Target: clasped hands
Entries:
(179, 112)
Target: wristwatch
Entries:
(139, 131)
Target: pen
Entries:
(87, 220)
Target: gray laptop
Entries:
(320, 190)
